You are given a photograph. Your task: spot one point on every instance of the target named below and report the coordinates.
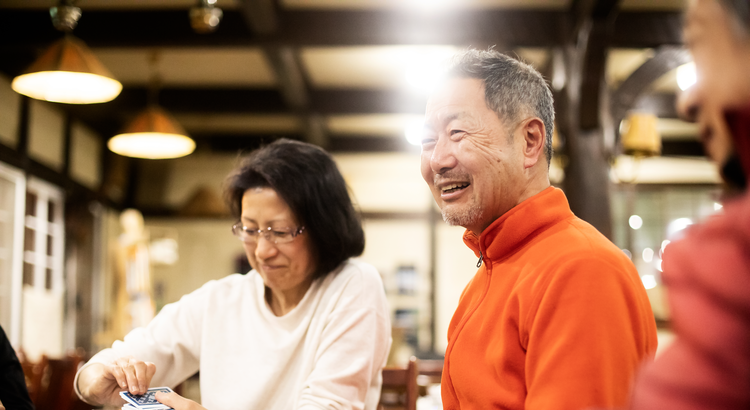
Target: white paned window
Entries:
(43, 237)
(43, 281)
(12, 196)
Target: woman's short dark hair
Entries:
(307, 179)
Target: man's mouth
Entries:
(454, 187)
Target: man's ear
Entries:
(534, 138)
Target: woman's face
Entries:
(286, 268)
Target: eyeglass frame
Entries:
(238, 228)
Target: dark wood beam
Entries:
(647, 29)
(661, 105)
(260, 15)
(586, 176)
(627, 94)
(24, 29)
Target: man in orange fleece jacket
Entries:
(556, 317)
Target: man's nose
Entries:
(689, 103)
(442, 158)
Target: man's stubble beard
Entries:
(461, 217)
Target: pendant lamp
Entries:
(68, 72)
(153, 134)
(640, 137)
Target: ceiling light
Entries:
(205, 17)
(68, 73)
(423, 66)
(640, 136)
(414, 132)
(154, 135)
(686, 76)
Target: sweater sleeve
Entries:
(592, 328)
(13, 393)
(172, 341)
(353, 349)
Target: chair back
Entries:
(58, 392)
(34, 373)
(400, 387)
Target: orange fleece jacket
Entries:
(556, 317)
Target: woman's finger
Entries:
(177, 402)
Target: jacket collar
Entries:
(519, 224)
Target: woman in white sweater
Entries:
(307, 328)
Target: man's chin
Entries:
(460, 216)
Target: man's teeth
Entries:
(448, 188)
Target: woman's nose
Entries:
(265, 248)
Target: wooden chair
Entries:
(430, 372)
(34, 373)
(57, 393)
(400, 387)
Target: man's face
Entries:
(474, 168)
(721, 58)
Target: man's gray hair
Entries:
(740, 11)
(511, 88)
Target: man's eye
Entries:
(454, 132)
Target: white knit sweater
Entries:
(326, 353)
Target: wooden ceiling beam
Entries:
(25, 29)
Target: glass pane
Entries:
(30, 204)
(49, 245)
(48, 279)
(28, 274)
(51, 212)
(28, 239)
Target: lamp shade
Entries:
(68, 72)
(640, 137)
(153, 134)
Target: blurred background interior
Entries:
(351, 76)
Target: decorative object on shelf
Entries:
(68, 72)
(640, 136)
(153, 134)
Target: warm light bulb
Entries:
(648, 255)
(151, 145)
(67, 87)
(414, 132)
(635, 222)
(649, 281)
(678, 225)
(686, 76)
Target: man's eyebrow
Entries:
(452, 116)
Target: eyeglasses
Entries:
(274, 235)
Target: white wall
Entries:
(207, 250)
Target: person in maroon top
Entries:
(708, 271)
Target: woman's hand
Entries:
(101, 384)
(177, 402)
